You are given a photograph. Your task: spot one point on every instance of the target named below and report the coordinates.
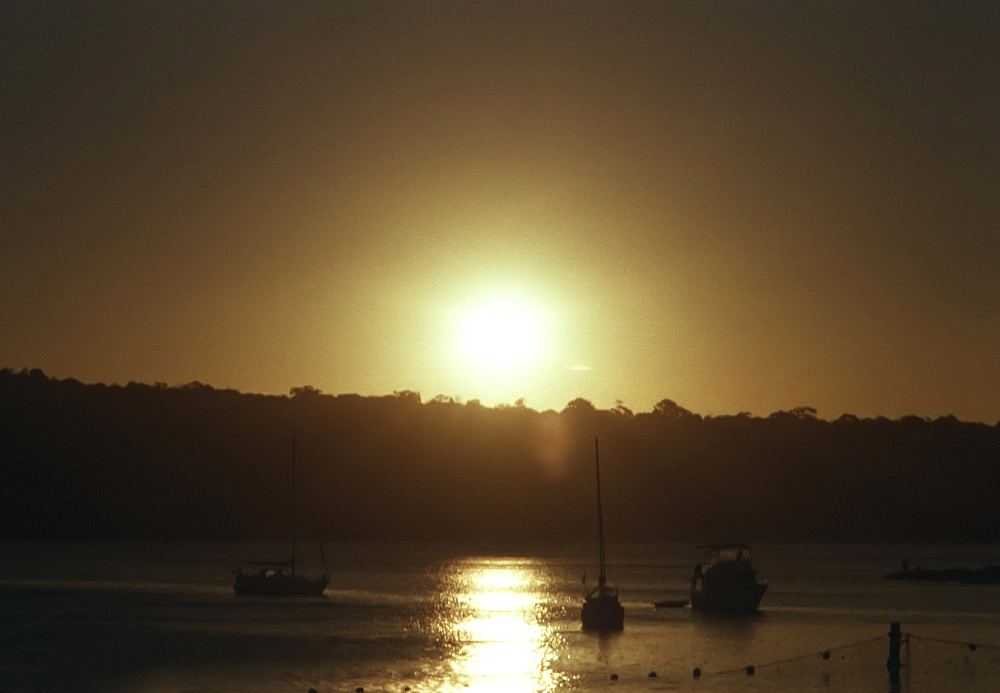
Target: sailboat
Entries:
(270, 579)
(601, 609)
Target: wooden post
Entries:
(893, 663)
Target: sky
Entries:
(741, 207)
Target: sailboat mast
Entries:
(600, 516)
(293, 505)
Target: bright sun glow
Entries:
(501, 334)
(496, 344)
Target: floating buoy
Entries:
(750, 670)
(697, 672)
(652, 674)
(826, 654)
(972, 646)
(359, 689)
(614, 677)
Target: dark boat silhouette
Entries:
(990, 575)
(272, 581)
(726, 581)
(270, 578)
(601, 609)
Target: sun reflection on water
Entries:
(498, 616)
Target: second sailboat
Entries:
(601, 609)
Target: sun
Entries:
(495, 344)
(501, 333)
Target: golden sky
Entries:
(736, 206)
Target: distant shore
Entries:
(988, 575)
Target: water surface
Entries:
(431, 617)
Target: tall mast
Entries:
(600, 516)
(293, 505)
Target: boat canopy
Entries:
(730, 551)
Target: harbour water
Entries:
(148, 617)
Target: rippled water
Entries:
(162, 617)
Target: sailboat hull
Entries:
(277, 584)
(602, 612)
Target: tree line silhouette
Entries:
(93, 461)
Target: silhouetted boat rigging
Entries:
(601, 609)
(726, 581)
(271, 579)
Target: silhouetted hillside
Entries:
(193, 462)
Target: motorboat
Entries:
(726, 581)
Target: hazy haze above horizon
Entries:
(737, 206)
